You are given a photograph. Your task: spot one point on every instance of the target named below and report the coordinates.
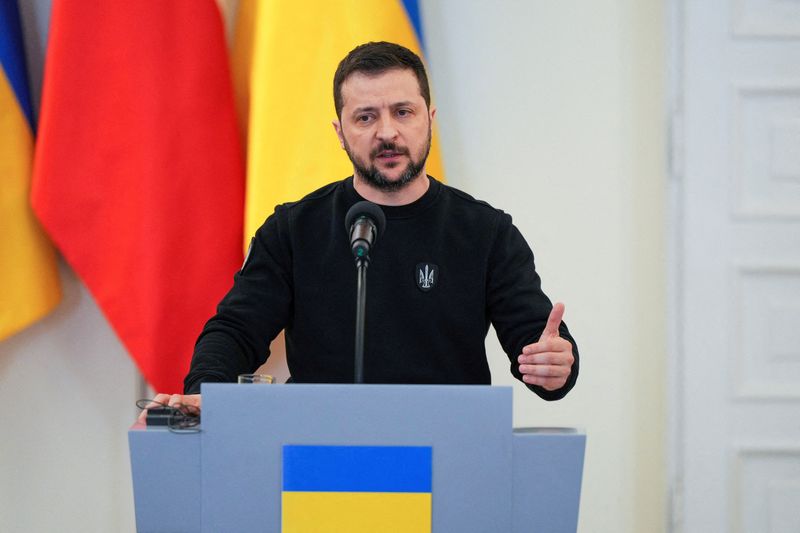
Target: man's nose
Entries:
(387, 129)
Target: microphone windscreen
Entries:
(369, 210)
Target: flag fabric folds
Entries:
(356, 489)
(29, 283)
(285, 54)
(138, 176)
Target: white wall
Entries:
(552, 111)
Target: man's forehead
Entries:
(367, 88)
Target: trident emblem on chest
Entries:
(427, 275)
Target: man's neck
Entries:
(412, 192)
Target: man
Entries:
(445, 267)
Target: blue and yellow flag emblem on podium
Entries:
(356, 489)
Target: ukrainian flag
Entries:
(29, 283)
(358, 489)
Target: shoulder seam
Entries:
(469, 198)
(322, 192)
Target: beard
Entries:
(376, 178)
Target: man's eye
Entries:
(363, 118)
(403, 112)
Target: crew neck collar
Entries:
(400, 211)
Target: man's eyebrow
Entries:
(395, 105)
(364, 109)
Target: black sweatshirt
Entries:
(300, 275)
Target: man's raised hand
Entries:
(548, 362)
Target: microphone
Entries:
(364, 222)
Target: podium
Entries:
(484, 476)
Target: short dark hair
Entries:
(376, 58)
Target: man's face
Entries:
(385, 127)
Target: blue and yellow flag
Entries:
(29, 283)
(284, 56)
(358, 489)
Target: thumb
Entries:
(553, 321)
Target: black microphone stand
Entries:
(363, 222)
(361, 310)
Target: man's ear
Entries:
(337, 126)
(433, 113)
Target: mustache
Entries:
(388, 147)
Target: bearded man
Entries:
(446, 267)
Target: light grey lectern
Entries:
(486, 477)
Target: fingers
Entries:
(195, 400)
(192, 401)
(550, 377)
(158, 401)
(564, 360)
(550, 384)
(544, 371)
(171, 400)
(547, 363)
(547, 358)
(175, 400)
(552, 345)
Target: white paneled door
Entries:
(736, 267)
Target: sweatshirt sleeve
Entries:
(236, 339)
(518, 309)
